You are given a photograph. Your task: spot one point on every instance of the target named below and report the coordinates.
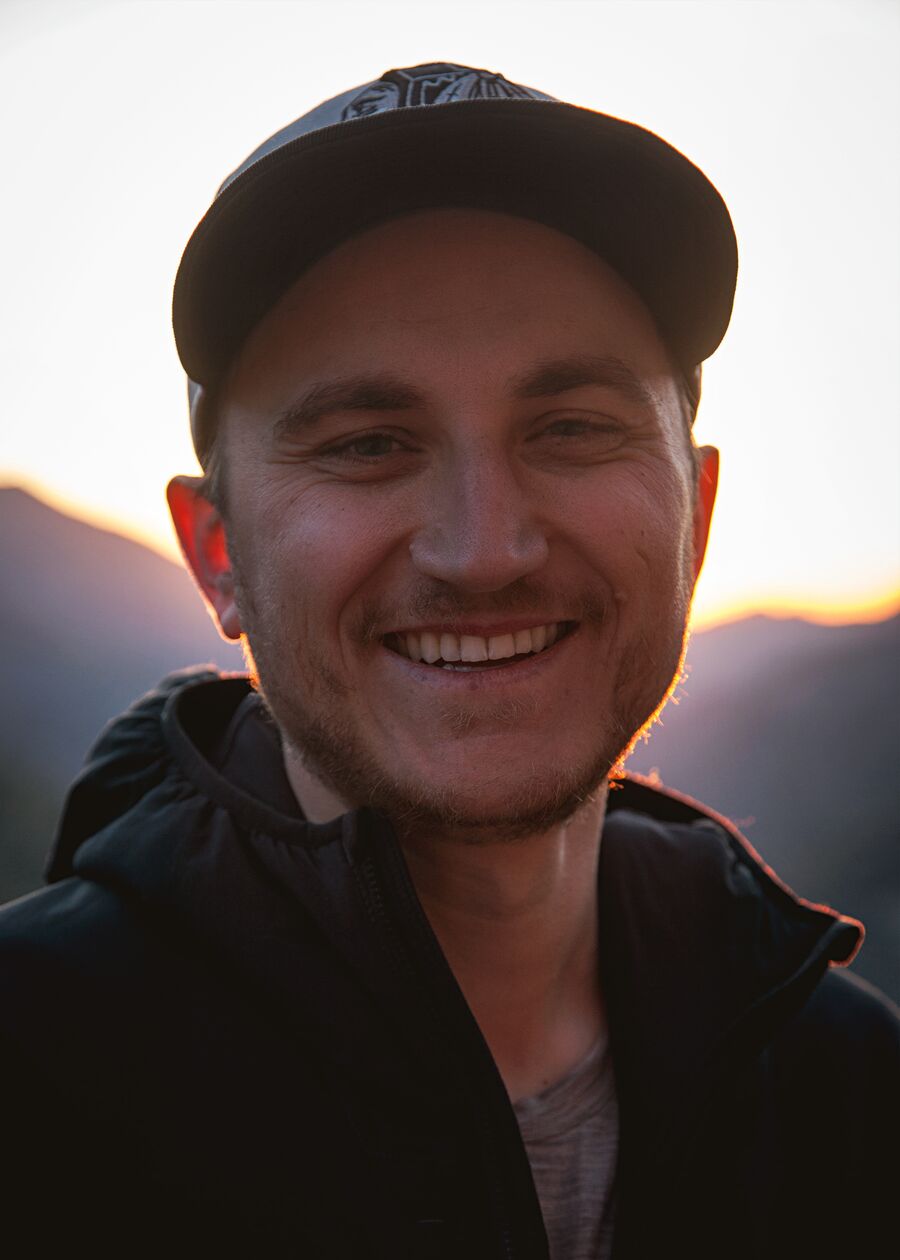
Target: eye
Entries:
(365, 447)
(572, 428)
(597, 433)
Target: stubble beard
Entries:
(317, 726)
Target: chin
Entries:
(479, 809)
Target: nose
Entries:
(480, 528)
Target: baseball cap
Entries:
(442, 135)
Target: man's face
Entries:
(460, 424)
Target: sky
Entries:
(119, 119)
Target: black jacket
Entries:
(226, 1030)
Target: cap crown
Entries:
(444, 135)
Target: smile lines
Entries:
(438, 648)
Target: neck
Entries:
(518, 925)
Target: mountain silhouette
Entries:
(791, 729)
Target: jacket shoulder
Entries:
(840, 1054)
(63, 936)
(837, 1076)
(847, 1020)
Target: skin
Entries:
(470, 503)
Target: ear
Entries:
(202, 536)
(707, 484)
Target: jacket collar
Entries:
(703, 950)
(705, 953)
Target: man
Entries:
(382, 955)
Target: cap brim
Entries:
(619, 189)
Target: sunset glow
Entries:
(120, 119)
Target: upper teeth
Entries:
(430, 647)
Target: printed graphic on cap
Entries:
(434, 85)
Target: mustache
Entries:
(427, 604)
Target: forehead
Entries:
(443, 294)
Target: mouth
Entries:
(469, 653)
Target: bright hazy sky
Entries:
(118, 120)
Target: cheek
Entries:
(309, 551)
(634, 523)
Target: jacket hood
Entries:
(703, 949)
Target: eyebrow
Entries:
(351, 393)
(557, 376)
(384, 392)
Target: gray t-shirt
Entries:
(571, 1134)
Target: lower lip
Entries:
(484, 677)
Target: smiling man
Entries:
(378, 952)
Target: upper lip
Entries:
(484, 629)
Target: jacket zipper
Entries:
(377, 910)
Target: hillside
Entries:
(790, 728)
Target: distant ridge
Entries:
(95, 620)
(791, 728)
